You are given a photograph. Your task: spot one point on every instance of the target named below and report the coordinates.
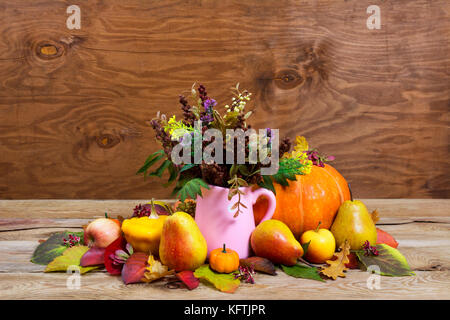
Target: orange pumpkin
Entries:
(224, 260)
(313, 198)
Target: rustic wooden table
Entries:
(422, 228)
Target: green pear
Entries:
(354, 223)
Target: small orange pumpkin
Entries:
(224, 260)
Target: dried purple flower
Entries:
(209, 104)
(370, 250)
(245, 274)
(317, 159)
(121, 256)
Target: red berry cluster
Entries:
(142, 210)
(73, 240)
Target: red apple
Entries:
(101, 232)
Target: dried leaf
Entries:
(337, 267)
(188, 278)
(155, 270)
(304, 272)
(389, 261)
(134, 268)
(375, 216)
(225, 282)
(259, 264)
(70, 257)
(93, 257)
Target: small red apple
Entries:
(101, 232)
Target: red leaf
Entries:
(386, 238)
(353, 261)
(119, 243)
(188, 278)
(93, 257)
(259, 264)
(134, 269)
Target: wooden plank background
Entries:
(73, 122)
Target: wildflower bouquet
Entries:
(200, 116)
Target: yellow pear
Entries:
(182, 246)
(354, 223)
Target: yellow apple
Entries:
(322, 245)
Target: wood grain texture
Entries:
(423, 236)
(74, 103)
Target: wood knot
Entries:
(49, 50)
(288, 79)
(107, 141)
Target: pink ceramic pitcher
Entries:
(216, 221)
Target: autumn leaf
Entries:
(304, 272)
(301, 144)
(118, 244)
(225, 282)
(93, 257)
(188, 278)
(135, 267)
(375, 216)
(389, 261)
(259, 264)
(51, 248)
(337, 267)
(70, 257)
(155, 270)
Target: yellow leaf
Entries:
(301, 144)
(70, 257)
(337, 267)
(155, 270)
(375, 216)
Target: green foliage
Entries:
(390, 261)
(299, 271)
(288, 169)
(224, 282)
(190, 188)
(151, 160)
(52, 247)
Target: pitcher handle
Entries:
(271, 199)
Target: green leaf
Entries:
(187, 167)
(298, 271)
(267, 184)
(173, 175)
(390, 261)
(233, 171)
(243, 170)
(158, 172)
(70, 257)
(192, 188)
(52, 247)
(305, 247)
(225, 282)
(288, 170)
(152, 159)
